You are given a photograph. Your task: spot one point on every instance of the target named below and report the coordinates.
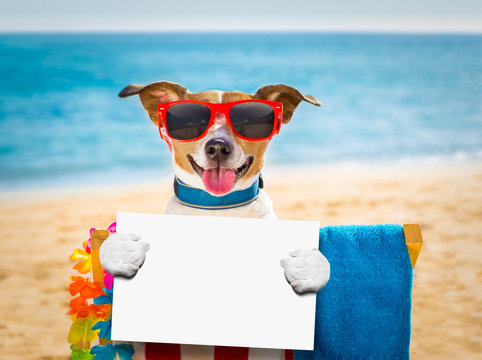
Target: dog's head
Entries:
(220, 162)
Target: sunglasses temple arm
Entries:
(279, 122)
(164, 136)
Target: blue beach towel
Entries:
(364, 310)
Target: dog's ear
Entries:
(155, 94)
(287, 95)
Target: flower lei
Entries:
(91, 311)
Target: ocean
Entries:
(387, 99)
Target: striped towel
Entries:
(156, 351)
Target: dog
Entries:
(218, 158)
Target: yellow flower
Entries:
(83, 266)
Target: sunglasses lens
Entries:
(252, 120)
(187, 121)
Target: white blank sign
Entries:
(214, 281)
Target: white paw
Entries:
(123, 254)
(306, 270)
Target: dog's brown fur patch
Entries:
(287, 95)
(181, 150)
(211, 96)
(257, 149)
(230, 96)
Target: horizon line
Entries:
(246, 31)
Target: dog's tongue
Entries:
(218, 180)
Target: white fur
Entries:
(220, 96)
(305, 270)
(123, 254)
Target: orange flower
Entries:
(80, 308)
(84, 287)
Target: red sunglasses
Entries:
(189, 120)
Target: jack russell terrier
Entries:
(217, 140)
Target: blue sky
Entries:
(242, 15)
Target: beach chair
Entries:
(364, 311)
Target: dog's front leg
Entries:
(306, 270)
(123, 254)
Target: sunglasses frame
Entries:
(215, 109)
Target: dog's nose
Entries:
(218, 149)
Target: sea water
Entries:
(387, 98)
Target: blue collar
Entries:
(200, 199)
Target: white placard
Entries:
(214, 281)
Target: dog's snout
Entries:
(218, 149)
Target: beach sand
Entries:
(38, 232)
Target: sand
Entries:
(38, 232)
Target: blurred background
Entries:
(398, 139)
(399, 83)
